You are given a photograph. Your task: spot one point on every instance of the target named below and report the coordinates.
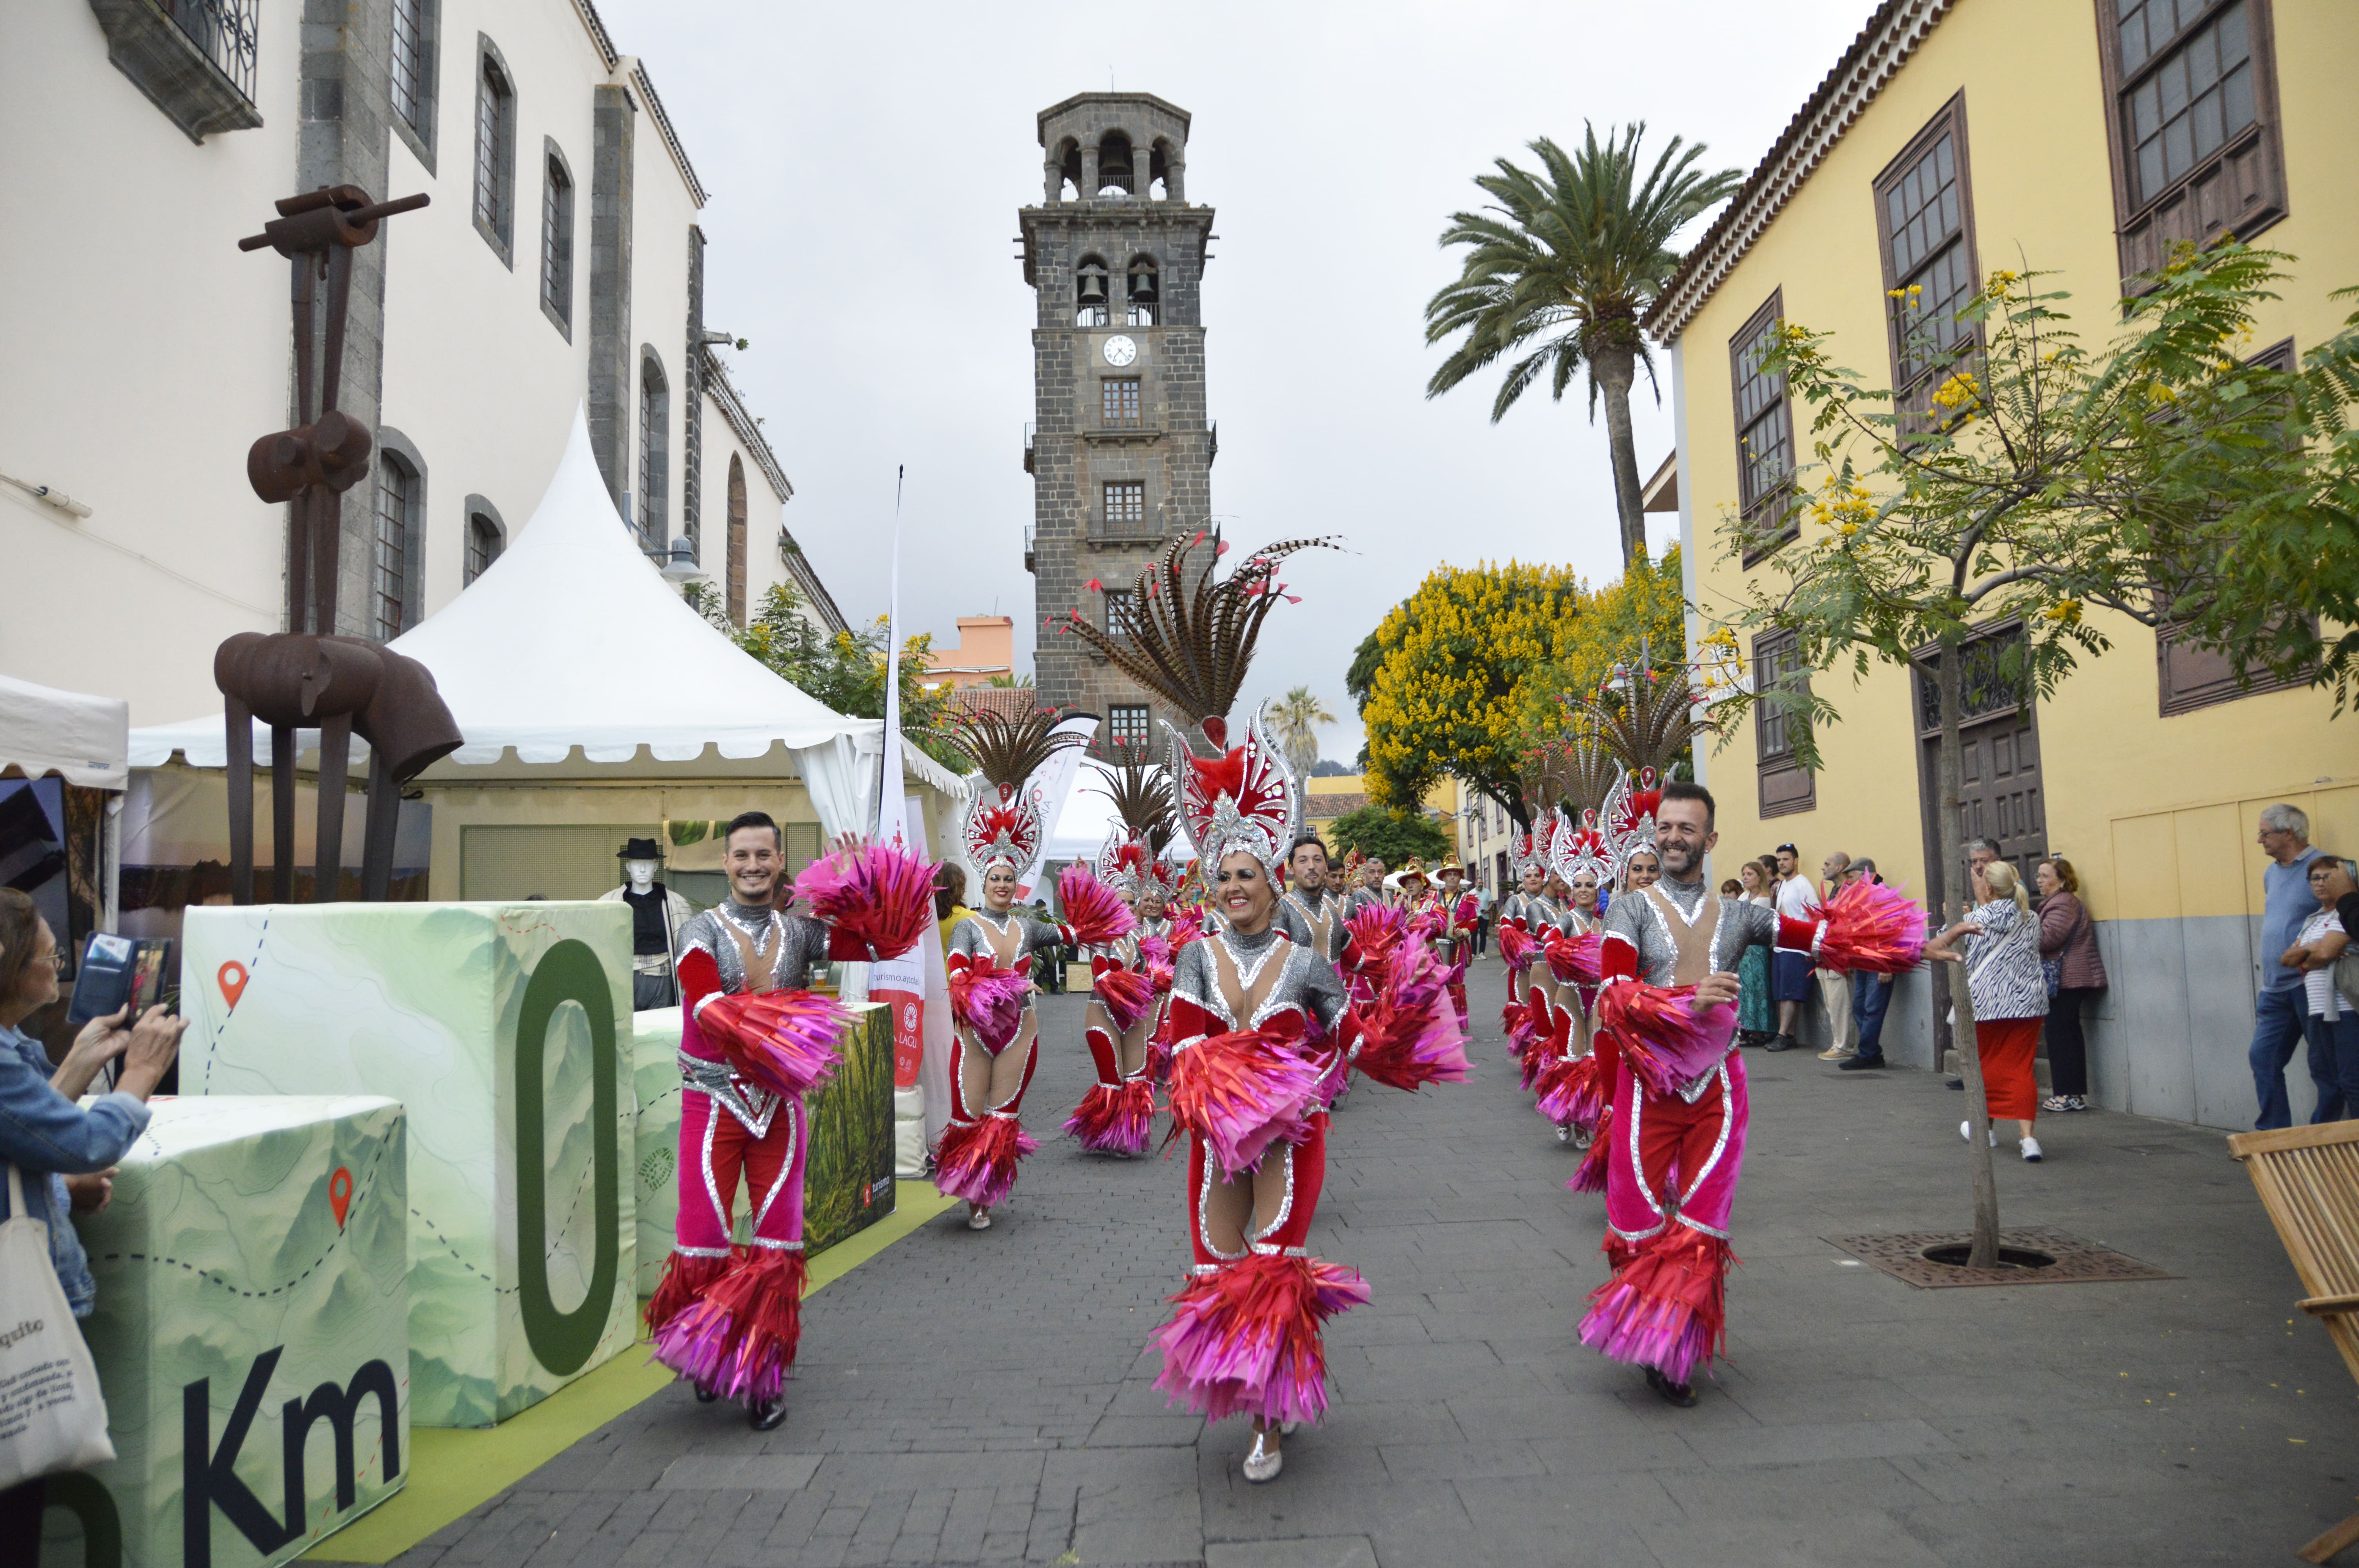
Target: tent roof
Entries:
(84, 739)
(573, 638)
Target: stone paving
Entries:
(985, 1398)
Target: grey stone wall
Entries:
(344, 137)
(1074, 456)
(610, 288)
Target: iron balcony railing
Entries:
(228, 31)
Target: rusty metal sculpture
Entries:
(307, 675)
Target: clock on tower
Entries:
(1121, 452)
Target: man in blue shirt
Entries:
(2277, 1011)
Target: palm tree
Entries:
(1564, 264)
(1296, 718)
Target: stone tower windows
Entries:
(1093, 304)
(1114, 177)
(1114, 168)
(1142, 292)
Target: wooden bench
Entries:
(2309, 1181)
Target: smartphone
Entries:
(116, 971)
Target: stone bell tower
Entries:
(1120, 451)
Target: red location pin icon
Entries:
(232, 980)
(340, 1194)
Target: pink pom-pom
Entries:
(1374, 930)
(977, 1160)
(1569, 1094)
(1126, 993)
(1114, 1118)
(877, 895)
(1516, 948)
(1576, 960)
(1095, 913)
(1665, 1040)
(1872, 927)
(1240, 1093)
(783, 1040)
(737, 1339)
(990, 1001)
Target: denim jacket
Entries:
(47, 1138)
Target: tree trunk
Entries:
(1956, 898)
(1615, 370)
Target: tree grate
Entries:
(2070, 1260)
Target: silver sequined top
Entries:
(1636, 919)
(1307, 982)
(968, 937)
(804, 944)
(1289, 918)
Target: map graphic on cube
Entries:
(252, 1271)
(505, 1029)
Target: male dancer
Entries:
(746, 1299)
(1307, 913)
(1678, 1146)
(1458, 912)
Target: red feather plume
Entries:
(1096, 914)
(1872, 927)
(783, 1040)
(1665, 1040)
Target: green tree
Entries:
(1640, 620)
(1450, 686)
(1296, 717)
(1968, 538)
(1560, 268)
(843, 670)
(1390, 833)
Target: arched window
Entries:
(484, 542)
(397, 519)
(1114, 177)
(557, 240)
(1069, 170)
(1144, 296)
(655, 453)
(495, 122)
(737, 539)
(1159, 171)
(1091, 302)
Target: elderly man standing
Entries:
(1834, 985)
(2278, 1009)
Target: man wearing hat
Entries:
(656, 913)
(1459, 910)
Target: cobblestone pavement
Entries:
(985, 1398)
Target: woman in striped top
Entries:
(2009, 992)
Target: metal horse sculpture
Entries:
(306, 676)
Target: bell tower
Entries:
(1120, 451)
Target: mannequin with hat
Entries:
(658, 913)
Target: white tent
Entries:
(83, 739)
(1082, 826)
(573, 638)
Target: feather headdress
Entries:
(1131, 861)
(1003, 823)
(1644, 726)
(1187, 637)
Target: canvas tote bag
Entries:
(52, 1417)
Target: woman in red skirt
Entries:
(2009, 992)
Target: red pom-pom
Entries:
(1126, 993)
(1576, 960)
(1872, 927)
(1516, 948)
(877, 895)
(1408, 1033)
(782, 1040)
(977, 1160)
(1665, 1040)
(1094, 911)
(990, 1000)
(1246, 1338)
(1240, 1093)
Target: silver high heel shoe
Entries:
(1263, 1463)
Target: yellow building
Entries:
(1326, 799)
(2079, 136)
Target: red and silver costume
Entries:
(989, 971)
(1128, 978)
(729, 1315)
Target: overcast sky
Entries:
(866, 162)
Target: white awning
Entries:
(573, 639)
(83, 739)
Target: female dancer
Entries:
(990, 964)
(1116, 1116)
(1256, 1020)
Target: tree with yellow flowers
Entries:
(1964, 534)
(1643, 616)
(1451, 677)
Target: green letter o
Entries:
(563, 1341)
